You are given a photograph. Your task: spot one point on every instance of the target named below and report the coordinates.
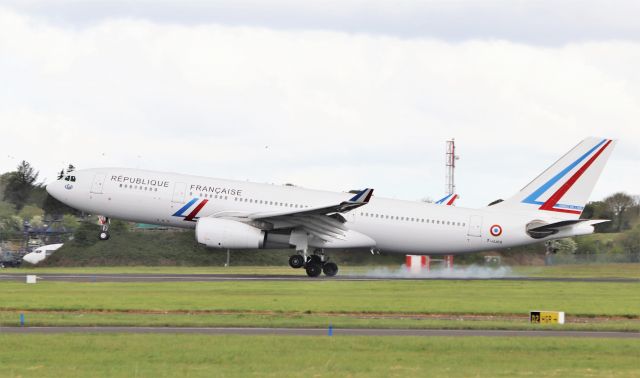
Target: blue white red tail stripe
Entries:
(552, 203)
(363, 196)
(448, 200)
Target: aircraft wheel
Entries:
(313, 270)
(314, 259)
(296, 261)
(104, 235)
(330, 269)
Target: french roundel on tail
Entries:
(564, 188)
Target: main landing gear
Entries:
(315, 264)
(104, 224)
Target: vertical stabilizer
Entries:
(563, 189)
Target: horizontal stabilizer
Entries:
(538, 229)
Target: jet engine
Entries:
(222, 233)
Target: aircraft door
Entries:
(475, 226)
(98, 183)
(179, 191)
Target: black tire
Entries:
(314, 259)
(104, 235)
(330, 269)
(313, 270)
(296, 261)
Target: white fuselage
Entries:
(395, 225)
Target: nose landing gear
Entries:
(104, 224)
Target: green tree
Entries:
(566, 246)
(36, 221)
(19, 184)
(30, 211)
(631, 244)
(56, 208)
(86, 234)
(70, 222)
(599, 210)
(618, 204)
(6, 210)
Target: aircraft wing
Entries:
(361, 198)
(324, 222)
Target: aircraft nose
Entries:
(54, 189)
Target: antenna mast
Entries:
(450, 164)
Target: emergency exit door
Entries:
(179, 192)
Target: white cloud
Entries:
(546, 22)
(323, 109)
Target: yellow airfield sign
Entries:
(546, 317)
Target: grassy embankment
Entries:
(82, 355)
(177, 248)
(405, 304)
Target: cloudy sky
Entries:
(330, 95)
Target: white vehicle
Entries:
(40, 253)
(243, 215)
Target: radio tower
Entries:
(450, 163)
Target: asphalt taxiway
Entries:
(319, 332)
(68, 277)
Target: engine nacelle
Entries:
(222, 233)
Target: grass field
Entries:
(405, 304)
(575, 271)
(302, 356)
(318, 303)
(451, 297)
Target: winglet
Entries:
(363, 196)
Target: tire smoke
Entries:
(462, 272)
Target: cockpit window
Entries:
(70, 178)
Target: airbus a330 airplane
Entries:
(243, 215)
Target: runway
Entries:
(254, 277)
(318, 332)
